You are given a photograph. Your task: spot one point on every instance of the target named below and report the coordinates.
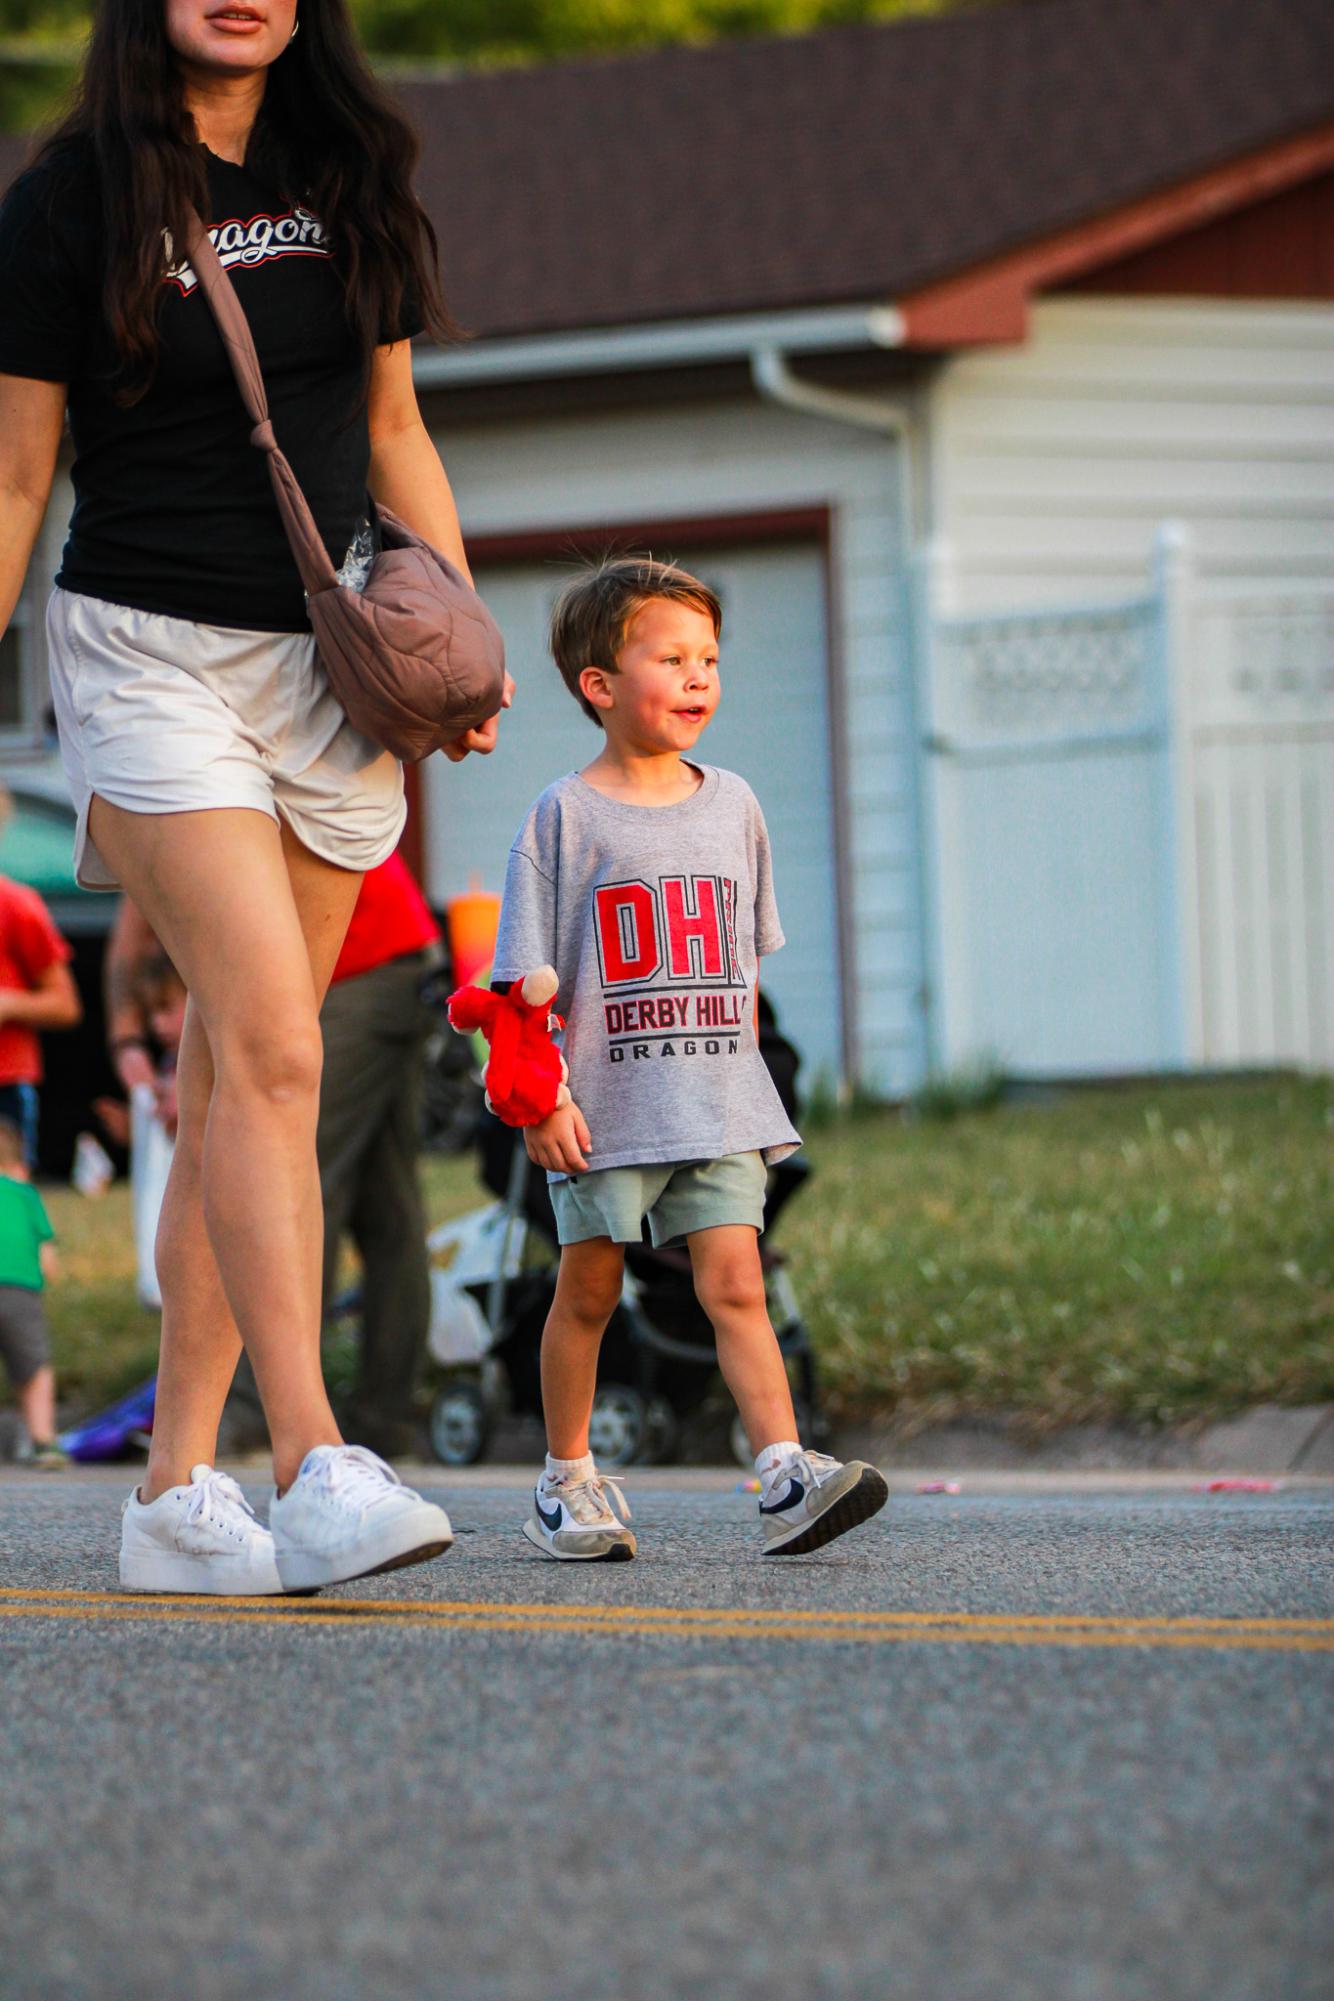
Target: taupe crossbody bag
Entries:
(415, 658)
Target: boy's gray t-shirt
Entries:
(655, 918)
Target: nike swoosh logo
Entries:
(549, 1521)
(792, 1500)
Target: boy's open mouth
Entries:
(694, 715)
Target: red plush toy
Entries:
(525, 1077)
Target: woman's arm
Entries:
(406, 474)
(32, 416)
(407, 477)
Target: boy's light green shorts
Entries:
(677, 1196)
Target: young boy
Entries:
(27, 1262)
(644, 879)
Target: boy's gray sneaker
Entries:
(581, 1521)
(816, 1499)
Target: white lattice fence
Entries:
(1258, 741)
(1039, 678)
(1051, 817)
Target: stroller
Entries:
(492, 1282)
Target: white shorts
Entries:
(162, 715)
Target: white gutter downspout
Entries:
(776, 383)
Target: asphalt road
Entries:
(1068, 1745)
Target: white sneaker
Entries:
(581, 1520)
(347, 1514)
(812, 1499)
(202, 1538)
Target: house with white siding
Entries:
(985, 364)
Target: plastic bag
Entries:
(151, 1149)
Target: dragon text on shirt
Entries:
(655, 938)
(258, 240)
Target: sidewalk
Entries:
(1268, 1440)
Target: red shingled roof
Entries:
(853, 164)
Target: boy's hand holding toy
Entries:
(562, 1142)
(525, 1076)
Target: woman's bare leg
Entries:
(200, 1342)
(254, 923)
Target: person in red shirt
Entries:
(374, 1024)
(37, 991)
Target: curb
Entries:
(1268, 1439)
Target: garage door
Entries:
(773, 728)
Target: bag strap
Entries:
(307, 544)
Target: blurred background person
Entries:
(375, 1024)
(37, 991)
(133, 975)
(27, 1264)
(144, 1003)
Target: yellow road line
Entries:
(956, 1635)
(668, 1614)
(860, 1628)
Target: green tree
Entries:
(43, 20)
(501, 30)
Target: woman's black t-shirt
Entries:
(173, 508)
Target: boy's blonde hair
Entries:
(593, 613)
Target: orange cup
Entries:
(472, 922)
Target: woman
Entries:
(215, 778)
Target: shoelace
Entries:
(808, 1467)
(591, 1499)
(219, 1497)
(356, 1474)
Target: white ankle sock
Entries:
(771, 1461)
(569, 1469)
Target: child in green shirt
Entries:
(27, 1262)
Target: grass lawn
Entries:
(1146, 1254)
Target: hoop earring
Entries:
(296, 29)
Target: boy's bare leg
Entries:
(729, 1285)
(588, 1286)
(36, 1400)
(800, 1514)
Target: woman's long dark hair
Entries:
(328, 135)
